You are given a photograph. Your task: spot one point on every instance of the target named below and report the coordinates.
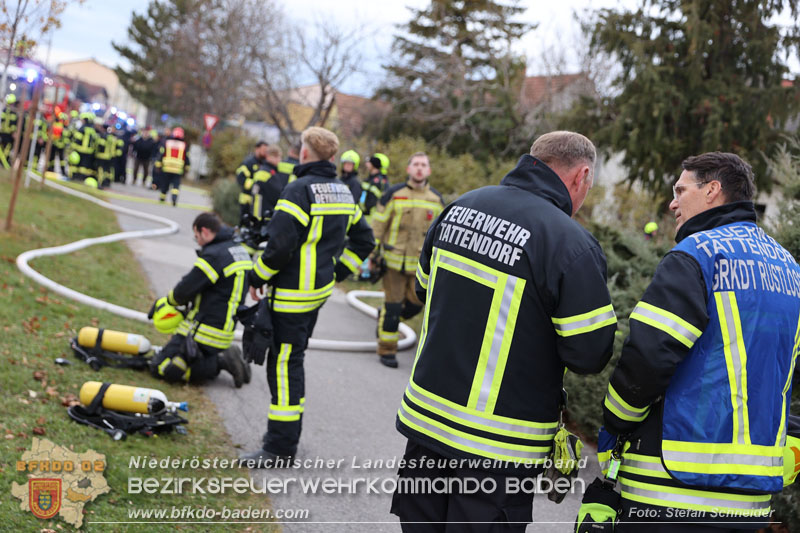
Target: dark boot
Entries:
(389, 360)
(231, 361)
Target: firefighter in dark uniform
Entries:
(244, 177)
(39, 137)
(375, 183)
(311, 220)
(287, 165)
(702, 390)
(349, 173)
(84, 141)
(215, 286)
(8, 124)
(515, 293)
(268, 183)
(61, 133)
(172, 164)
(399, 223)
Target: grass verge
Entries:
(36, 327)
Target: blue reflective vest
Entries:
(726, 406)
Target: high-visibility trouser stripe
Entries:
(623, 409)
(667, 322)
(207, 269)
(482, 446)
(332, 209)
(781, 438)
(245, 198)
(499, 328)
(285, 413)
(308, 255)
(302, 295)
(293, 209)
(237, 266)
(262, 270)
(521, 429)
(700, 500)
(351, 260)
(716, 458)
(422, 277)
(236, 296)
(177, 361)
(736, 363)
(282, 374)
(286, 306)
(585, 322)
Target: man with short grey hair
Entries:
(514, 293)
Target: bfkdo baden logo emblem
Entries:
(44, 497)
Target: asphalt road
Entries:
(351, 402)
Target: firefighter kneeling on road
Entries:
(215, 287)
(402, 218)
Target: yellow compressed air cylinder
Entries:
(114, 341)
(125, 398)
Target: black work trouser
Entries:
(167, 182)
(120, 163)
(105, 172)
(489, 509)
(286, 380)
(84, 169)
(171, 363)
(143, 164)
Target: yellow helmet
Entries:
(351, 156)
(91, 182)
(650, 227)
(11, 99)
(384, 159)
(74, 158)
(166, 318)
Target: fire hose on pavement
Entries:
(171, 227)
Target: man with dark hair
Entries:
(375, 183)
(699, 400)
(515, 293)
(213, 289)
(268, 183)
(244, 177)
(301, 262)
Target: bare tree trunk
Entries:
(20, 165)
(21, 8)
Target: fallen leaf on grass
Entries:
(32, 393)
(39, 375)
(10, 436)
(51, 391)
(69, 400)
(41, 420)
(39, 430)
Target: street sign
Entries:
(210, 121)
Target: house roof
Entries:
(536, 89)
(354, 112)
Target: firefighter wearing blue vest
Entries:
(244, 177)
(215, 286)
(399, 223)
(515, 293)
(301, 262)
(701, 393)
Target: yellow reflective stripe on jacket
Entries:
(285, 167)
(262, 270)
(623, 409)
(667, 322)
(780, 440)
(171, 298)
(243, 170)
(585, 322)
(480, 420)
(350, 260)
(500, 324)
(293, 209)
(396, 261)
(236, 294)
(333, 209)
(397, 206)
(355, 217)
(422, 277)
(283, 306)
(303, 295)
(643, 465)
(237, 266)
(308, 255)
(698, 500)
(381, 216)
(736, 363)
(207, 269)
(248, 183)
(245, 198)
(469, 443)
(718, 458)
